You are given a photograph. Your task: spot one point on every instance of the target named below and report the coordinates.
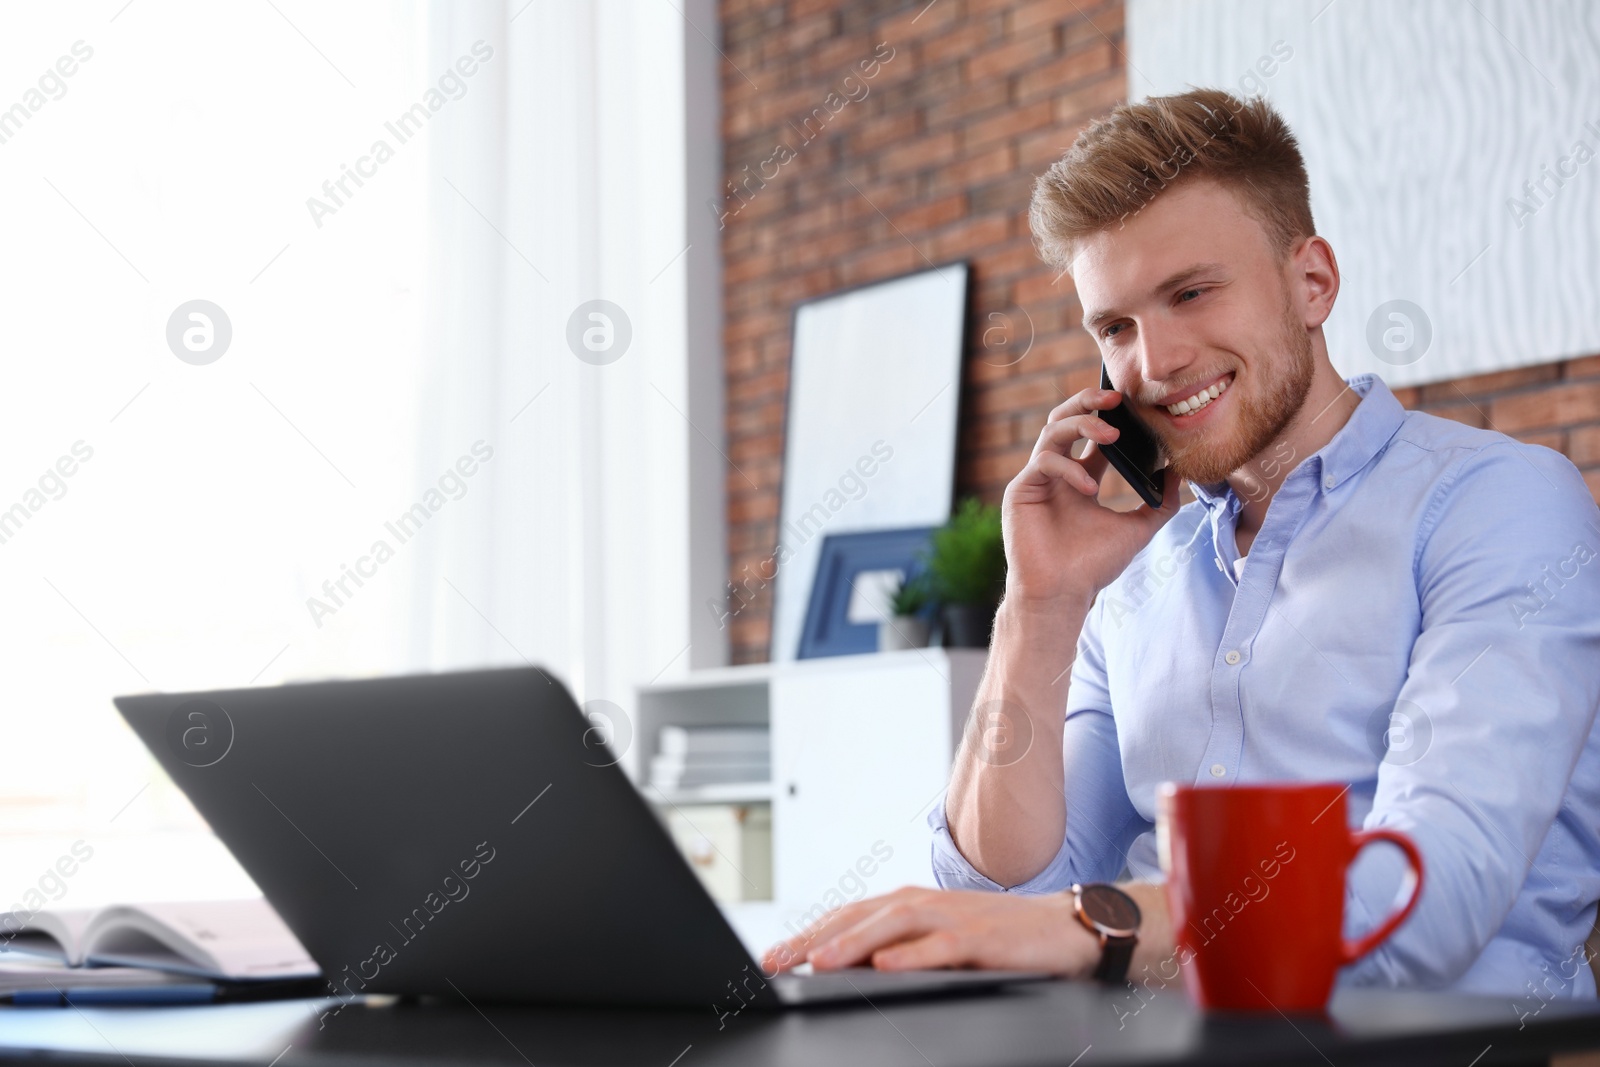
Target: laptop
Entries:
(452, 834)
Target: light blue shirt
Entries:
(1419, 617)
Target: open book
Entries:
(223, 940)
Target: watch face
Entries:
(1110, 909)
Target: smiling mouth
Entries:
(1200, 400)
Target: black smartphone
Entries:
(1134, 453)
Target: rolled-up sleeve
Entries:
(1501, 692)
(1101, 820)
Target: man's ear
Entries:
(1314, 279)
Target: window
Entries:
(166, 521)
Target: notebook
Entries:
(222, 940)
(21, 973)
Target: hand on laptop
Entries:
(913, 928)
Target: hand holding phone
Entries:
(1134, 453)
(1062, 544)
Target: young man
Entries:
(1358, 594)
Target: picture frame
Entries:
(850, 594)
(871, 423)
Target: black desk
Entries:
(1054, 1023)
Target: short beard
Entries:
(1208, 462)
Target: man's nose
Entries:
(1164, 353)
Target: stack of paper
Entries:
(691, 756)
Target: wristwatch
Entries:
(1113, 917)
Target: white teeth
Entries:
(1199, 400)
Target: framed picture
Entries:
(857, 574)
(870, 432)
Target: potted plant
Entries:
(967, 573)
(910, 606)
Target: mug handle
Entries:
(1354, 950)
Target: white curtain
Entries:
(598, 535)
(381, 330)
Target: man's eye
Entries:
(1111, 331)
(1187, 294)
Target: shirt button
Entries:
(1218, 770)
(1232, 657)
(1327, 483)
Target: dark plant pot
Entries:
(967, 625)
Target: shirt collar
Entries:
(1368, 430)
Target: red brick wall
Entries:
(927, 155)
(1552, 404)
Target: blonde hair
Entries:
(1124, 160)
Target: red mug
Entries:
(1256, 887)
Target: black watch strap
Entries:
(1115, 956)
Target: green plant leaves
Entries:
(967, 564)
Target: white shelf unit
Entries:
(861, 751)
